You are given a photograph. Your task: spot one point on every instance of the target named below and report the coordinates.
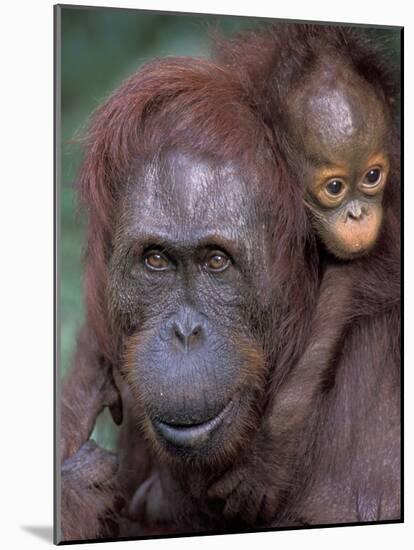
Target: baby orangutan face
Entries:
(346, 202)
(340, 123)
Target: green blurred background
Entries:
(99, 49)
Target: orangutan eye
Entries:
(372, 177)
(332, 193)
(334, 187)
(156, 261)
(217, 261)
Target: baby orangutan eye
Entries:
(331, 194)
(217, 261)
(372, 177)
(334, 187)
(156, 261)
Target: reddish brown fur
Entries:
(326, 364)
(88, 388)
(287, 53)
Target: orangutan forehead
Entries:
(181, 194)
(334, 107)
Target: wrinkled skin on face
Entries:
(339, 122)
(188, 285)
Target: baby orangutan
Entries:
(338, 123)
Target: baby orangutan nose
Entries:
(187, 329)
(356, 211)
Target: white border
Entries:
(26, 273)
